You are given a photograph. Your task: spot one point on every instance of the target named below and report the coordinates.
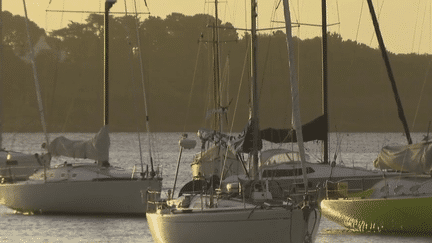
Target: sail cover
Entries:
(313, 130)
(96, 148)
(244, 142)
(415, 158)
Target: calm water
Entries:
(357, 149)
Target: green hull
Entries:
(411, 215)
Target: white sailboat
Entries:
(242, 211)
(86, 188)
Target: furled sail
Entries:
(313, 130)
(416, 158)
(244, 142)
(97, 148)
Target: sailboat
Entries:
(282, 166)
(243, 211)
(83, 188)
(400, 204)
(397, 204)
(16, 166)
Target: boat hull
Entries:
(79, 197)
(233, 225)
(410, 215)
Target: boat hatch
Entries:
(286, 172)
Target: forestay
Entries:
(416, 158)
(97, 148)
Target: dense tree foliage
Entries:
(177, 57)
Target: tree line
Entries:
(177, 66)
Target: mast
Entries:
(1, 74)
(324, 80)
(389, 72)
(147, 122)
(108, 5)
(35, 77)
(297, 124)
(216, 72)
(254, 92)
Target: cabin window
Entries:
(11, 162)
(286, 172)
(74, 175)
(63, 175)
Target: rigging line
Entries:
(430, 31)
(273, 14)
(415, 29)
(358, 25)
(57, 60)
(35, 76)
(236, 106)
(135, 95)
(144, 91)
(298, 24)
(128, 39)
(192, 85)
(421, 94)
(299, 50)
(90, 12)
(338, 15)
(240, 84)
(145, 3)
(265, 66)
(225, 82)
(126, 13)
(421, 31)
(245, 14)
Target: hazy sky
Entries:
(405, 25)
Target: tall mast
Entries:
(35, 77)
(324, 79)
(108, 5)
(216, 71)
(297, 124)
(1, 74)
(389, 72)
(254, 92)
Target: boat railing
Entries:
(349, 187)
(152, 200)
(336, 190)
(297, 191)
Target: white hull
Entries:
(233, 225)
(79, 197)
